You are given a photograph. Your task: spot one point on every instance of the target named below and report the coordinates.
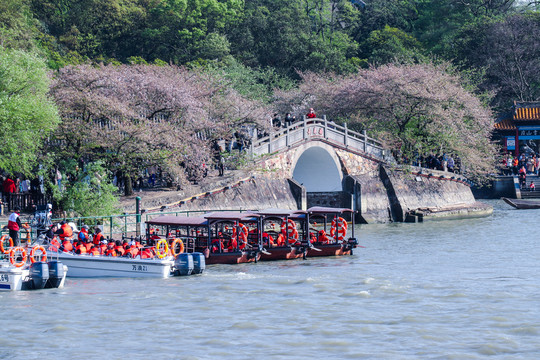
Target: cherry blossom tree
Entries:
(417, 110)
(135, 117)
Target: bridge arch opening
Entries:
(318, 171)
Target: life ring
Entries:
(173, 247)
(339, 229)
(43, 253)
(162, 248)
(289, 227)
(12, 256)
(2, 251)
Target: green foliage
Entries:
(27, 114)
(392, 45)
(17, 27)
(86, 192)
(256, 84)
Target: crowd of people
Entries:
(444, 162)
(522, 165)
(289, 119)
(64, 237)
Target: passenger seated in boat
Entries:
(232, 245)
(148, 253)
(80, 247)
(98, 236)
(110, 251)
(323, 238)
(268, 240)
(66, 246)
(83, 234)
(102, 247)
(120, 251)
(65, 231)
(49, 234)
(94, 250)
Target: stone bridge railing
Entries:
(319, 130)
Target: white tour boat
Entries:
(20, 272)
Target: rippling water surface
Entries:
(461, 289)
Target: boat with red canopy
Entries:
(284, 234)
(328, 229)
(223, 237)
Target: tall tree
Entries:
(27, 114)
(417, 110)
(509, 51)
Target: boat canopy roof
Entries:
(232, 216)
(328, 210)
(280, 212)
(178, 220)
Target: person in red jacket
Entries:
(8, 186)
(311, 114)
(14, 225)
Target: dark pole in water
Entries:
(138, 216)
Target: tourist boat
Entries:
(87, 266)
(223, 237)
(328, 228)
(165, 263)
(283, 234)
(22, 272)
(523, 203)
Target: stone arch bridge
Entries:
(329, 165)
(317, 162)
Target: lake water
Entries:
(460, 289)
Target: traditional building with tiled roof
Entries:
(521, 126)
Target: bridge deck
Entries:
(319, 129)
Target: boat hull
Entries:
(11, 278)
(16, 279)
(86, 266)
(328, 250)
(232, 258)
(282, 253)
(523, 204)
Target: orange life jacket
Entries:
(281, 240)
(88, 246)
(55, 242)
(147, 253)
(94, 251)
(80, 248)
(68, 246)
(120, 251)
(102, 249)
(97, 238)
(67, 231)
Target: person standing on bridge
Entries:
(288, 120)
(311, 114)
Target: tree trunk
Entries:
(128, 186)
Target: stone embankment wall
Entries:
(412, 194)
(247, 194)
(379, 193)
